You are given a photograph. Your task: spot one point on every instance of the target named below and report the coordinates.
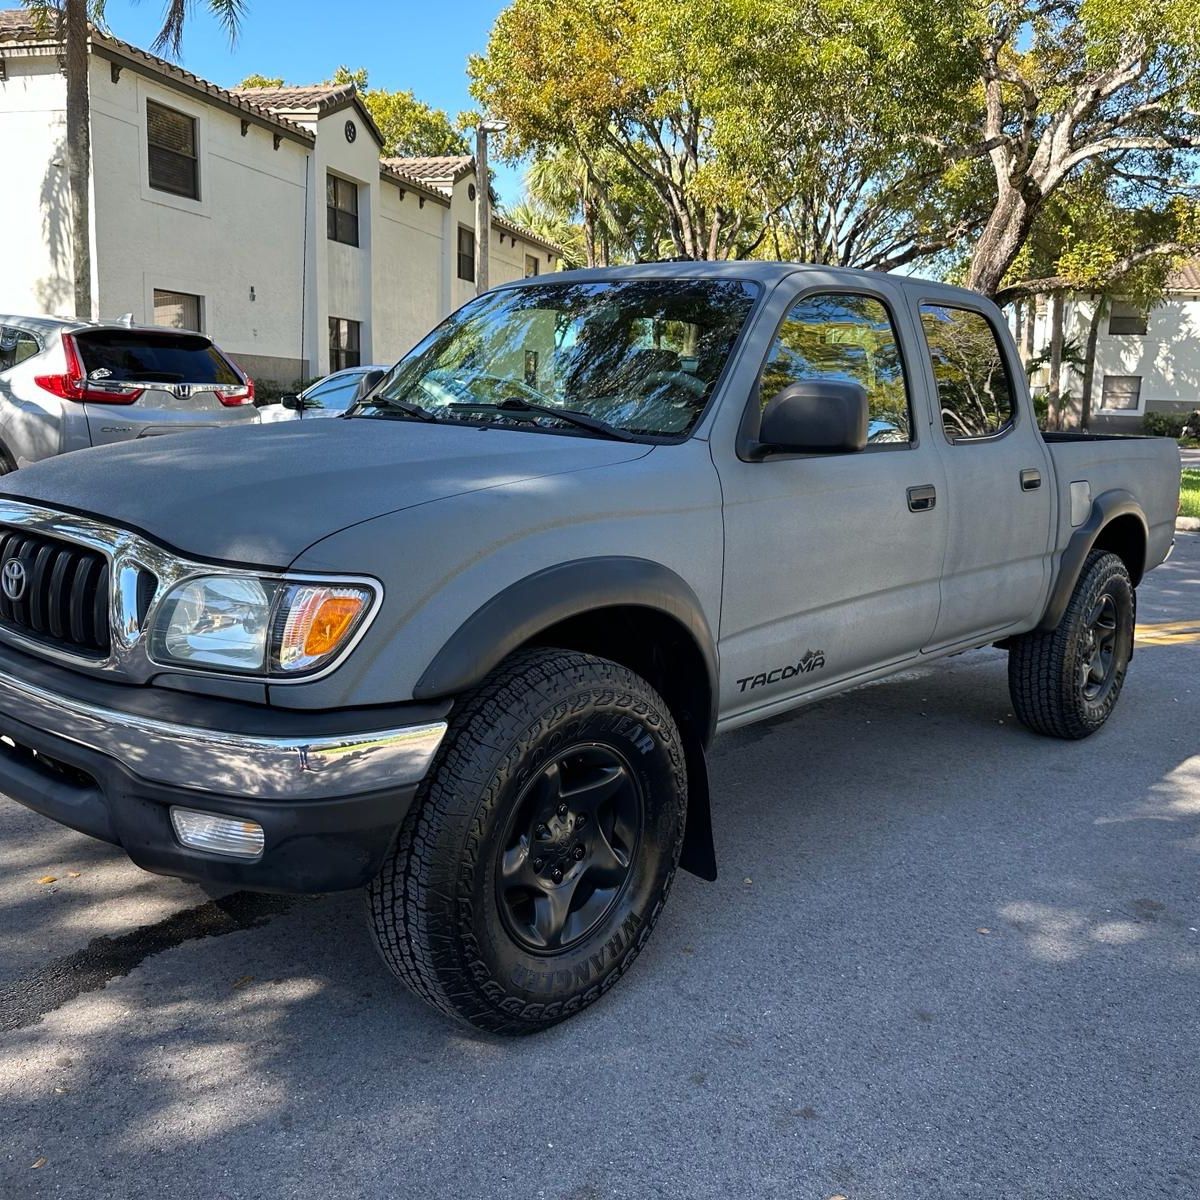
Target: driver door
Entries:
(832, 561)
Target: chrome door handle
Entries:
(922, 498)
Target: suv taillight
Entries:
(234, 395)
(74, 385)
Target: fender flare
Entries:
(523, 609)
(1106, 508)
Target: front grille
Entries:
(61, 592)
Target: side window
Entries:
(850, 338)
(15, 347)
(975, 393)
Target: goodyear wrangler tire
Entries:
(530, 871)
(1065, 682)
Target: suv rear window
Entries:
(140, 357)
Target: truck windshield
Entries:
(640, 356)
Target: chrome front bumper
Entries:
(228, 762)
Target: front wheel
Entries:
(1065, 682)
(534, 864)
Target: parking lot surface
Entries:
(945, 958)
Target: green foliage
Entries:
(1189, 494)
(262, 81)
(550, 224)
(1158, 424)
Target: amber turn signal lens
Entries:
(330, 623)
(319, 622)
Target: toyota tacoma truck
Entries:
(468, 646)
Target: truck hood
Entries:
(261, 495)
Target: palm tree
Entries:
(70, 18)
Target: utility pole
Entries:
(483, 201)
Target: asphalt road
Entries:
(945, 959)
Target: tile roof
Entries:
(441, 170)
(19, 25)
(1185, 277)
(318, 98)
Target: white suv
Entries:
(67, 384)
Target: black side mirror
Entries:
(368, 383)
(292, 401)
(816, 416)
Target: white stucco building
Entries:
(266, 218)
(1146, 362)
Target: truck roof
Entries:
(754, 270)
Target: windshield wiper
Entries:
(569, 415)
(410, 410)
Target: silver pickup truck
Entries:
(468, 646)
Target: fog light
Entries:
(216, 834)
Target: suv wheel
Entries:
(1065, 682)
(530, 872)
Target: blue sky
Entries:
(421, 46)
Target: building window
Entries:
(341, 206)
(974, 391)
(177, 310)
(531, 265)
(171, 150)
(466, 253)
(1127, 318)
(1121, 393)
(344, 343)
(849, 338)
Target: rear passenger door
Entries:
(832, 561)
(998, 483)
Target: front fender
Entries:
(524, 609)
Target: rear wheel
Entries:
(1065, 682)
(530, 872)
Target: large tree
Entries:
(858, 132)
(1068, 84)
(69, 19)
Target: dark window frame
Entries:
(537, 266)
(1136, 410)
(752, 417)
(341, 219)
(466, 258)
(157, 148)
(1002, 341)
(155, 292)
(341, 353)
(1138, 320)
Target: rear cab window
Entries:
(16, 345)
(135, 356)
(975, 393)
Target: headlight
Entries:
(256, 626)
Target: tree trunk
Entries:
(79, 152)
(1029, 346)
(1089, 363)
(1000, 242)
(1054, 413)
(589, 228)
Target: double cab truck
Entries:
(468, 646)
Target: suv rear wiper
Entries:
(569, 415)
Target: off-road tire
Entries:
(1046, 670)
(439, 908)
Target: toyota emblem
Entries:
(14, 579)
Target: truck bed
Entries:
(1146, 467)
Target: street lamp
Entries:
(483, 201)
